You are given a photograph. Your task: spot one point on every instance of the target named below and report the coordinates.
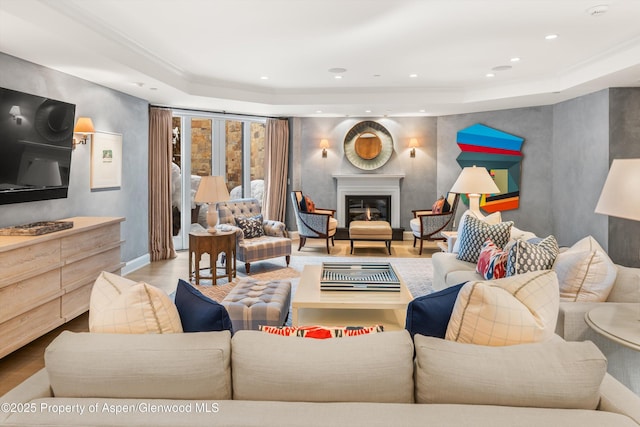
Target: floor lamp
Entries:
(212, 189)
(475, 181)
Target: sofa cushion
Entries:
(429, 315)
(492, 261)
(151, 366)
(513, 310)
(475, 232)
(119, 305)
(585, 272)
(626, 288)
(251, 226)
(492, 219)
(320, 332)
(367, 368)
(550, 374)
(198, 312)
(525, 256)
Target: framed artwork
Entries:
(106, 161)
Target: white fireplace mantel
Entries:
(368, 185)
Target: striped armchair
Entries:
(319, 224)
(273, 244)
(427, 225)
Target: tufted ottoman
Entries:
(252, 303)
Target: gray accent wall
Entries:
(580, 165)
(624, 143)
(111, 111)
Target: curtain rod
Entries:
(223, 112)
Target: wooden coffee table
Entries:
(311, 306)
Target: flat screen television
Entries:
(36, 141)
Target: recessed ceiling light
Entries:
(318, 111)
(551, 36)
(413, 76)
(139, 84)
(515, 59)
(367, 111)
(264, 77)
(338, 77)
(490, 75)
(337, 70)
(422, 111)
(598, 10)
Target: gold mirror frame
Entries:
(368, 145)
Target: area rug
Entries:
(416, 273)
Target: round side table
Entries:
(201, 242)
(617, 322)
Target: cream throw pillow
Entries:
(514, 310)
(585, 272)
(122, 306)
(493, 219)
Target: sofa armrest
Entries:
(615, 397)
(36, 386)
(274, 228)
(571, 324)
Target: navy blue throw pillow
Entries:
(429, 315)
(198, 312)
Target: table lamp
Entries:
(212, 189)
(475, 181)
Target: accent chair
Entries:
(427, 225)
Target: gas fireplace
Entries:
(367, 208)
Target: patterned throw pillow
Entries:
(492, 261)
(250, 226)
(475, 232)
(320, 332)
(525, 256)
(310, 206)
(438, 206)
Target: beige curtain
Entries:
(276, 168)
(160, 147)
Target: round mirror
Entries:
(368, 146)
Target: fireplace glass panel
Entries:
(368, 208)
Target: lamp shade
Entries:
(620, 195)
(324, 143)
(14, 111)
(212, 189)
(475, 180)
(413, 143)
(84, 125)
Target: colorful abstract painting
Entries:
(500, 153)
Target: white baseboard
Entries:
(135, 264)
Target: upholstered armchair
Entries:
(313, 223)
(427, 224)
(271, 242)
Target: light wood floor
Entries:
(24, 362)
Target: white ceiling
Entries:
(211, 54)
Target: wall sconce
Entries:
(14, 112)
(413, 143)
(84, 127)
(324, 144)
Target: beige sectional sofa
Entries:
(257, 379)
(623, 362)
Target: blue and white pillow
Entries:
(525, 256)
(475, 232)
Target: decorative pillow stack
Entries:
(492, 261)
(513, 310)
(585, 272)
(251, 226)
(122, 306)
(475, 232)
(525, 256)
(320, 332)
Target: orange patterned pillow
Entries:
(438, 206)
(320, 332)
(311, 207)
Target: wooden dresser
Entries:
(46, 280)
